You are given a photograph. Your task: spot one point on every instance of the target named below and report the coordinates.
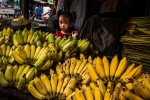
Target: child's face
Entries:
(64, 23)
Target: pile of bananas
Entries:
(22, 21)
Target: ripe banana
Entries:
(105, 62)
(72, 65)
(17, 58)
(25, 70)
(59, 68)
(32, 89)
(19, 72)
(79, 94)
(101, 86)
(3, 47)
(15, 40)
(9, 73)
(3, 81)
(15, 67)
(113, 66)
(30, 74)
(60, 82)
(40, 60)
(33, 49)
(8, 50)
(40, 86)
(21, 83)
(54, 80)
(89, 94)
(37, 51)
(97, 94)
(27, 49)
(77, 66)
(25, 35)
(83, 64)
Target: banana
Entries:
(72, 65)
(138, 72)
(25, 35)
(79, 94)
(3, 81)
(100, 68)
(33, 49)
(3, 47)
(57, 40)
(33, 37)
(22, 53)
(82, 57)
(40, 86)
(92, 72)
(12, 49)
(129, 86)
(54, 80)
(121, 68)
(51, 38)
(9, 73)
(65, 42)
(142, 90)
(27, 49)
(2, 40)
(62, 41)
(46, 65)
(15, 40)
(37, 51)
(113, 66)
(1, 52)
(4, 31)
(88, 94)
(115, 94)
(19, 72)
(84, 69)
(86, 80)
(41, 51)
(60, 82)
(93, 85)
(81, 42)
(40, 60)
(146, 81)
(21, 83)
(45, 44)
(84, 47)
(66, 81)
(59, 56)
(83, 64)
(25, 70)
(46, 82)
(51, 71)
(67, 54)
(101, 86)
(107, 94)
(106, 65)
(19, 36)
(59, 68)
(98, 94)
(7, 50)
(66, 66)
(30, 34)
(32, 89)
(128, 70)
(130, 75)
(39, 43)
(128, 94)
(15, 68)
(30, 74)
(78, 63)
(17, 58)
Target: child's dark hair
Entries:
(72, 15)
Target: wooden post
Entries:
(25, 8)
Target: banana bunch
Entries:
(113, 70)
(6, 36)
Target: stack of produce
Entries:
(137, 42)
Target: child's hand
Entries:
(74, 33)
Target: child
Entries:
(66, 22)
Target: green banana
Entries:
(33, 37)
(84, 47)
(40, 60)
(15, 40)
(62, 41)
(19, 36)
(21, 83)
(51, 38)
(57, 40)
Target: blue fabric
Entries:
(38, 11)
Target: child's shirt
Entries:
(58, 33)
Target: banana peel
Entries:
(22, 21)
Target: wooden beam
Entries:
(25, 8)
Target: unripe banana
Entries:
(60, 82)
(25, 35)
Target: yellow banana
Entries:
(107, 94)
(33, 48)
(25, 70)
(32, 89)
(40, 60)
(83, 64)
(106, 65)
(3, 81)
(15, 67)
(60, 82)
(84, 69)
(41, 51)
(129, 86)
(93, 85)
(97, 94)
(3, 47)
(88, 94)
(51, 71)
(30, 33)
(27, 49)
(59, 56)
(25, 35)
(17, 58)
(54, 80)
(67, 66)
(79, 94)
(40, 86)
(86, 80)
(100, 68)
(128, 94)
(90, 59)
(92, 72)
(46, 82)
(9, 73)
(130, 75)
(20, 50)
(45, 66)
(72, 65)
(141, 89)
(128, 70)
(113, 66)
(121, 68)
(146, 81)
(115, 94)
(138, 72)
(77, 66)
(19, 72)
(37, 51)
(101, 86)
(59, 68)
(7, 50)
